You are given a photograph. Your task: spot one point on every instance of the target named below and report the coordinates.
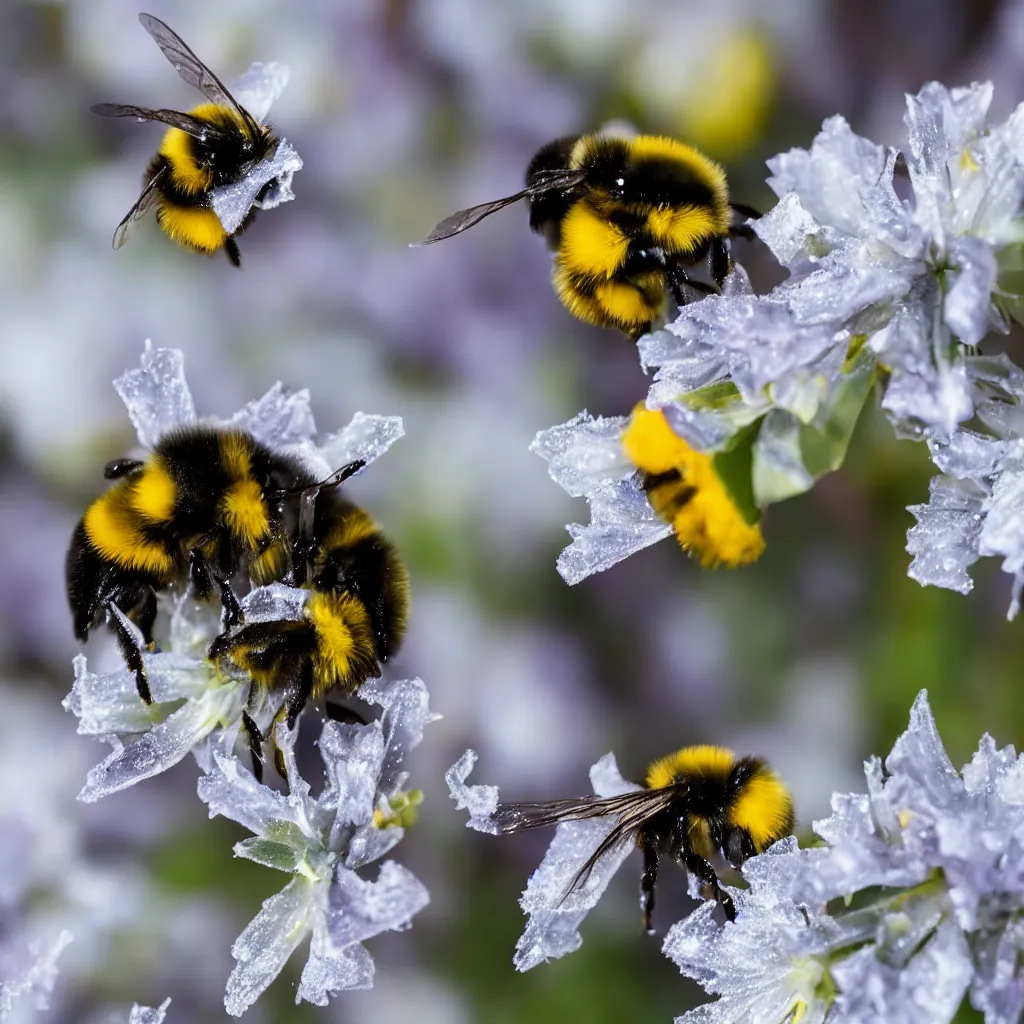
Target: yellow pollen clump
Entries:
(692, 498)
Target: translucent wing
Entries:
(543, 181)
(185, 122)
(192, 70)
(631, 809)
(142, 206)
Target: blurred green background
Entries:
(403, 111)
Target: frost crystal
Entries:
(257, 90)
(197, 705)
(322, 842)
(935, 859)
(585, 458)
(552, 929)
(149, 1015)
(32, 974)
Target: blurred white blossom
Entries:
(322, 842)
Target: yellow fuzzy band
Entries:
(703, 515)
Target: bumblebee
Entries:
(624, 219)
(695, 803)
(206, 503)
(213, 145)
(355, 617)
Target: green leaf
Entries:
(734, 468)
(711, 396)
(269, 853)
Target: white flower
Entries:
(149, 1014)
(322, 842)
(257, 90)
(585, 457)
(554, 917)
(147, 740)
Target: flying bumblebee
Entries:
(205, 504)
(624, 219)
(695, 803)
(355, 617)
(213, 145)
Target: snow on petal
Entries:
(406, 712)
(37, 975)
(268, 940)
(554, 913)
(232, 791)
(480, 801)
(157, 395)
(149, 1014)
(261, 87)
(233, 202)
(944, 542)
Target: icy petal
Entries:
(778, 469)
(997, 989)
(928, 990)
(38, 976)
(480, 801)
(366, 437)
(157, 396)
(358, 909)
(106, 703)
(232, 791)
(274, 603)
(919, 754)
(789, 230)
(153, 752)
(945, 541)
(260, 87)
(268, 940)
(149, 1014)
(584, 453)
(585, 458)
(406, 705)
(552, 930)
(1002, 532)
(329, 970)
(968, 303)
(279, 419)
(967, 455)
(233, 202)
(352, 756)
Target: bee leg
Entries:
(231, 610)
(199, 574)
(132, 654)
(721, 260)
(698, 866)
(647, 883)
(117, 468)
(255, 745)
(678, 279)
(145, 616)
(231, 249)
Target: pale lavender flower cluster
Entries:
(197, 708)
(913, 903)
(894, 278)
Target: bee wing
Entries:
(544, 181)
(142, 206)
(519, 817)
(184, 122)
(192, 70)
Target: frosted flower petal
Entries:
(927, 990)
(233, 202)
(268, 941)
(406, 713)
(261, 87)
(945, 541)
(36, 977)
(157, 395)
(554, 917)
(480, 801)
(358, 910)
(233, 791)
(149, 1014)
(585, 458)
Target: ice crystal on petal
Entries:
(320, 841)
(149, 1014)
(554, 913)
(33, 975)
(585, 458)
(233, 202)
(261, 87)
(157, 395)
